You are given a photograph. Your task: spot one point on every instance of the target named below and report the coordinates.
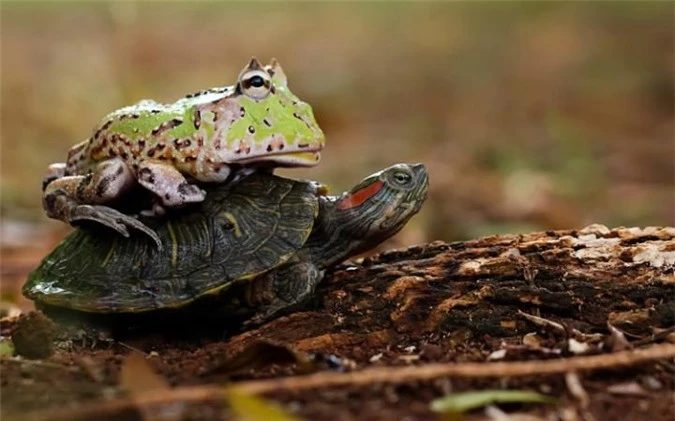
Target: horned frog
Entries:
(207, 136)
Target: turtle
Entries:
(273, 238)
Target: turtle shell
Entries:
(240, 231)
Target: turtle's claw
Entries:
(256, 321)
(113, 219)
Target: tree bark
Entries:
(583, 279)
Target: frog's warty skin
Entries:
(257, 121)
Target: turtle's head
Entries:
(380, 205)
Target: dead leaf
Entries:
(137, 376)
(577, 348)
(497, 355)
(259, 354)
(90, 367)
(532, 340)
(249, 407)
(6, 348)
(9, 310)
(409, 358)
(629, 389)
(264, 352)
(576, 389)
(496, 414)
(617, 339)
(462, 402)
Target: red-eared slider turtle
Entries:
(272, 236)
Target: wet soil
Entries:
(536, 297)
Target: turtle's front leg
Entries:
(77, 198)
(291, 286)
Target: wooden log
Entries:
(583, 279)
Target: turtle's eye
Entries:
(256, 84)
(402, 178)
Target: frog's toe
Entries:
(113, 219)
(157, 210)
(139, 226)
(190, 193)
(103, 215)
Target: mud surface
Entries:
(541, 296)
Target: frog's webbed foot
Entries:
(243, 172)
(113, 219)
(79, 198)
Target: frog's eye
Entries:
(257, 81)
(256, 84)
(402, 178)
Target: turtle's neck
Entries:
(339, 234)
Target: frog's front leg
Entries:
(168, 184)
(54, 171)
(79, 198)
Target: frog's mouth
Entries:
(287, 159)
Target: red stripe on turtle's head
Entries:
(377, 208)
(358, 197)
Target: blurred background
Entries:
(530, 116)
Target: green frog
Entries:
(210, 136)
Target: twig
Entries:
(576, 389)
(654, 338)
(466, 370)
(542, 322)
(37, 363)
(392, 375)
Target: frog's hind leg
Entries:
(168, 184)
(79, 197)
(290, 286)
(110, 180)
